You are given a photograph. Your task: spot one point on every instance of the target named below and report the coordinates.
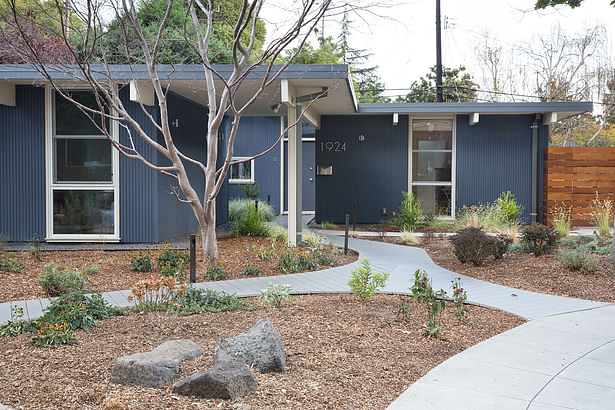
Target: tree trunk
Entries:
(208, 234)
(613, 245)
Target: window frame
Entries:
(53, 185)
(242, 181)
(453, 150)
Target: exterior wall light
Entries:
(361, 138)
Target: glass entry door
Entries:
(432, 164)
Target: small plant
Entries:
(170, 259)
(508, 207)
(54, 335)
(460, 297)
(274, 294)
(155, 294)
(216, 270)
(90, 270)
(539, 239)
(602, 215)
(7, 264)
(277, 233)
(35, 249)
(328, 225)
(78, 311)
(517, 248)
(427, 237)
(405, 309)
(140, 262)
(578, 260)
(17, 325)
(200, 300)
(500, 245)
(237, 208)
(313, 240)
(295, 261)
(561, 219)
(423, 292)
(326, 255)
(251, 190)
(251, 271)
(410, 212)
(472, 245)
(381, 229)
(265, 253)
(407, 238)
(251, 222)
(364, 283)
(56, 280)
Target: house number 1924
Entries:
(333, 146)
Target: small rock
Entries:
(154, 368)
(2, 407)
(228, 379)
(259, 347)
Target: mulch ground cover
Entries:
(114, 266)
(340, 354)
(525, 271)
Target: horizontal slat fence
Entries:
(573, 176)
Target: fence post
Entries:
(347, 222)
(192, 258)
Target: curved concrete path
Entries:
(563, 358)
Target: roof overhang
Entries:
(189, 82)
(563, 109)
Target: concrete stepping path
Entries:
(540, 364)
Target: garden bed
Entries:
(340, 354)
(114, 266)
(525, 271)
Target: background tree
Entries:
(457, 85)
(327, 52)
(200, 23)
(542, 4)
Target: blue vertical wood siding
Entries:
(22, 165)
(495, 156)
(254, 135)
(373, 172)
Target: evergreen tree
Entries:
(457, 86)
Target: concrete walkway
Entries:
(564, 357)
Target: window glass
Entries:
(83, 212)
(71, 121)
(83, 160)
(241, 172)
(431, 166)
(434, 198)
(432, 135)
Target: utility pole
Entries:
(439, 97)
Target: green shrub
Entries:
(328, 225)
(410, 212)
(539, 239)
(313, 240)
(277, 233)
(200, 300)
(473, 245)
(172, 262)
(500, 245)
(140, 262)
(326, 255)
(517, 248)
(252, 222)
(91, 270)
(216, 270)
(508, 207)
(491, 217)
(54, 335)
(295, 261)
(364, 283)
(17, 325)
(274, 294)
(578, 260)
(237, 208)
(251, 190)
(56, 280)
(79, 311)
(251, 271)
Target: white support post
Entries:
(142, 92)
(294, 164)
(7, 93)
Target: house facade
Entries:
(62, 180)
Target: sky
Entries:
(402, 41)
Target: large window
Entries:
(83, 184)
(432, 164)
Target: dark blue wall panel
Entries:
(373, 172)
(254, 135)
(495, 156)
(22, 165)
(138, 183)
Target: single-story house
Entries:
(61, 180)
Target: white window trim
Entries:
(50, 185)
(243, 181)
(453, 183)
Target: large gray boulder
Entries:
(154, 368)
(227, 379)
(259, 347)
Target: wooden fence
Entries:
(573, 176)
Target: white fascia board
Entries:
(142, 92)
(7, 93)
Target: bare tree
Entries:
(222, 90)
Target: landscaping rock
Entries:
(154, 368)
(228, 379)
(2, 407)
(259, 347)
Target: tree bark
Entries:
(612, 258)
(208, 234)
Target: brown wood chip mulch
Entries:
(340, 354)
(236, 252)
